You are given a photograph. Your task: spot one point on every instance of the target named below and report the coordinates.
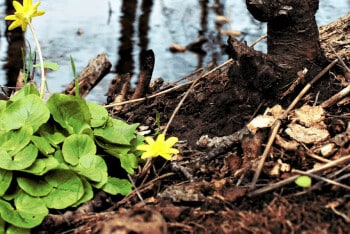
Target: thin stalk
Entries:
(43, 77)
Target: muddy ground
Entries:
(208, 189)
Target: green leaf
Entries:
(11, 194)
(42, 165)
(3, 105)
(67, 189)
(2, 224)
(116, 186)
(5, 181)
(26, 111)
(129, 162)
(117, 132)
(303, 181)
(48, 65)
(52, 133)
(22, 160)
(15, 140)
(99, 115)
(17, 230)
(43, 145)
(92, 167)
(71, 112)
(76, 146)
(34, 186)
(88, 193)
(28, 212)
(76, 80)
(26, 90)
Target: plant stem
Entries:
(43, 77)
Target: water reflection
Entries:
(144, 28)
(125, 63)
(125, 28)
(128, 19)
(16, 41)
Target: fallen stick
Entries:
(292, 178)
(90, 76)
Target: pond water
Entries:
(123, 28)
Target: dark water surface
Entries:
(124, 28)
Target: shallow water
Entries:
(122, 29)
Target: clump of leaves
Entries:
(53, 155)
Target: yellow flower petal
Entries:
(171, 141)
(18, 7)
(143, 147)
(159, 147)
(149, 140)
(23, 14)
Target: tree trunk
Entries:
(292, 45)
(292, 31)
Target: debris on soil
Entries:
(240, 153)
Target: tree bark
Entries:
(292, 31)
(90, 76)
(292, 45)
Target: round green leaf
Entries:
(71, 112)
(35, 186)
(42, 165)
(43, 145)
(21, 160)
(17, 230)
(99, 115)
(52, 133)
(88, 193)
(5, 180)
(25, 91)
(67, 189)
(117, 132)
(303, 181)
(28, 212)
(76, 146)
(29, 110)
(15, 140)
(116, 186)
(92, 167)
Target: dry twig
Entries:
(292, 178)
(278, 122)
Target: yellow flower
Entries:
(160, 147)
(23, 14)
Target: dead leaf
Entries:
(310, 116)
(306, 135)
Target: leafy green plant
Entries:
(53, 155)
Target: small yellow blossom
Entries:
(23, 14)
(160, 147)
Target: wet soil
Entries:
(206, 190)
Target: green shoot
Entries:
(76, 81)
